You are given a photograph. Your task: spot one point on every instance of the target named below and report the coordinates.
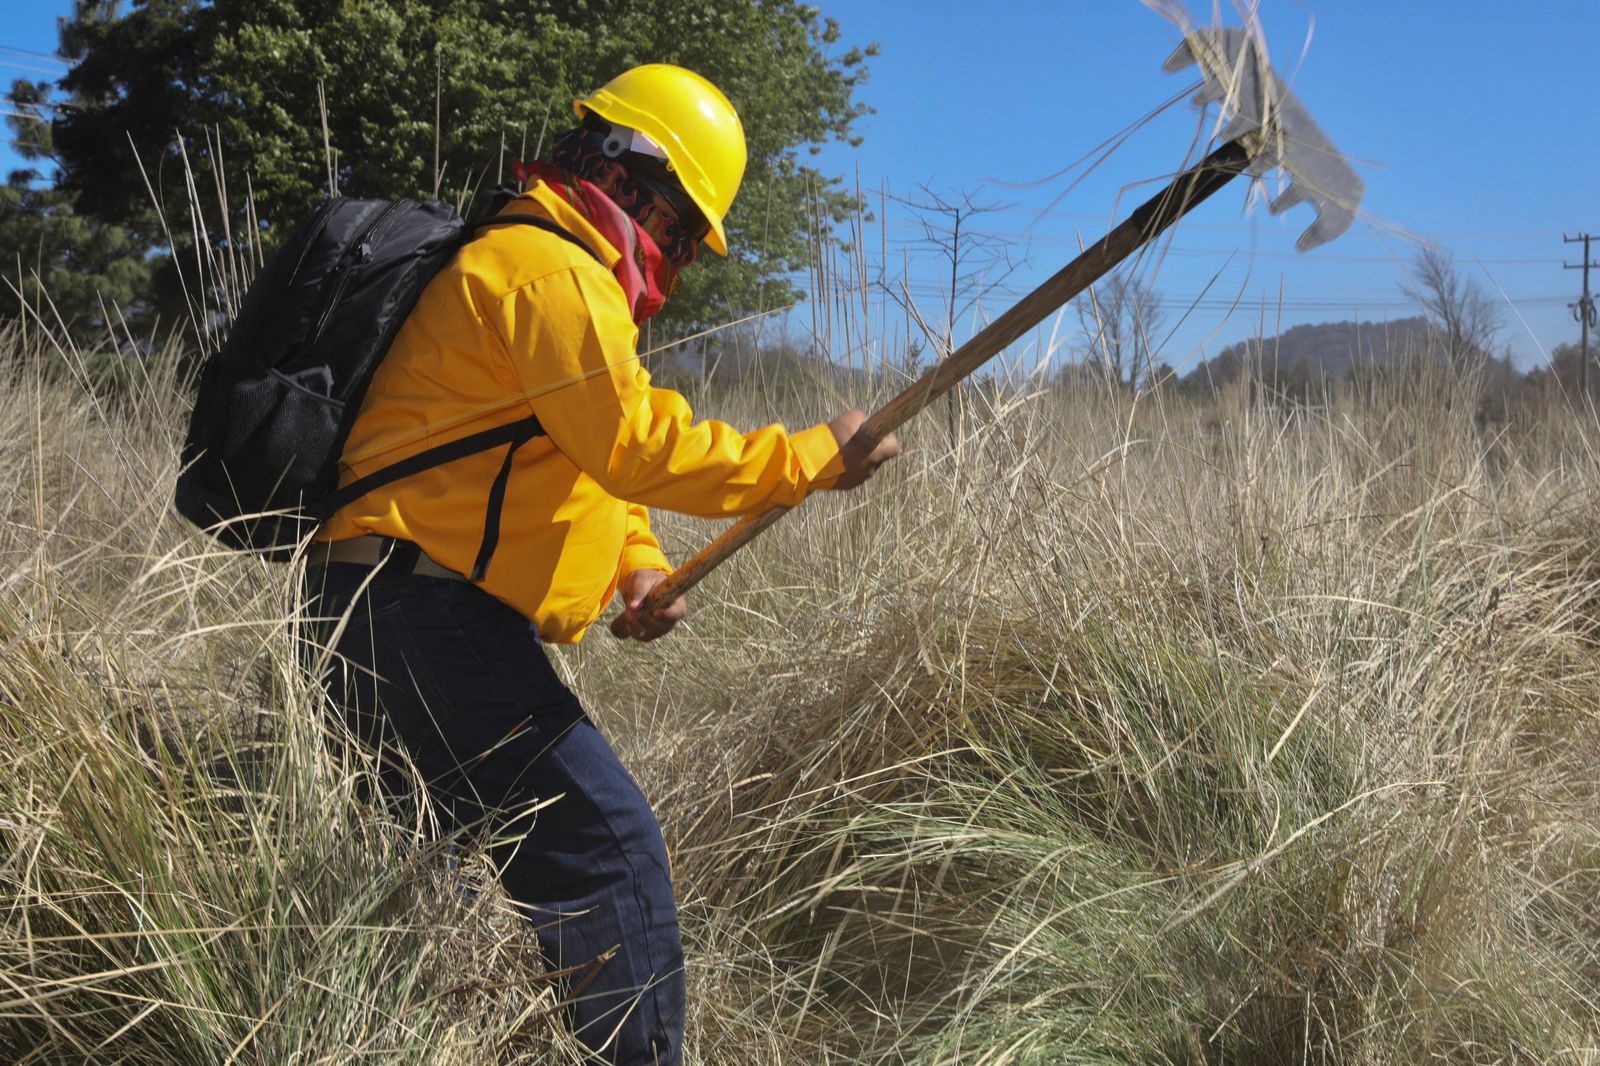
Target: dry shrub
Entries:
(1155, 730)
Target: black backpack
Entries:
(276, 403)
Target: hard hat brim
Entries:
(617, 111)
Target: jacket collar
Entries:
(545, 202)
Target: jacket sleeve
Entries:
(640, 548)
(570, 342)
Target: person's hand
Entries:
(861, 456)
(648, 626)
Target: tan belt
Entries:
(370, 550)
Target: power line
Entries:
(12, 63)
(41, 56)
(1214, 303)
(1185, 250)
(1349, 299)
(1322, 257)
(1102, 218)
(1106, 219)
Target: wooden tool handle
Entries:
(1147, 221)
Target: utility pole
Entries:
(1583, 310)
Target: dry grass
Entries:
(1158, 731)
(1096, 730)
(189, 875)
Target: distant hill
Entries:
(1326, 349)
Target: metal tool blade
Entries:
(1260, 109)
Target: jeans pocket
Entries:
(432, 671)
(508, 647)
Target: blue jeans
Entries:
(442, 674)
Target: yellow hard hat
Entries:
(694, 125)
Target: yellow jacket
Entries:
(524, 322)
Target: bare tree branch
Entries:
(1467, 320)
(1118, 318)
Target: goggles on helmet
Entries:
(648, 165)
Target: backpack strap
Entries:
(515, 434)
(527, 429)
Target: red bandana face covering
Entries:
(646, 277)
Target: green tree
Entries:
(57, 262)
(435, 96)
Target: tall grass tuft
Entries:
(190, 873)
(1158, 729)
(1101, 727)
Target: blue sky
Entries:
(1472, 124)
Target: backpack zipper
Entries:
(344, 268)
(319, 223)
